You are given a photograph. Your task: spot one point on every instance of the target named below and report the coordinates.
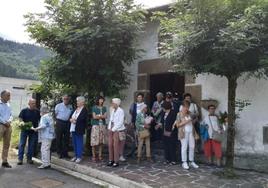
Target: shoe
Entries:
(73, 159)
(122, 158)
(173, 163)
(185, 166)
(44, 166)
(116, 165)
(60, 156)
(149, 159)
(6, 165)
(194, 165)
(19, 162)
(30, 161)
(78, 160)
(138, 160)
(65, 156)
(110, 163)
(166, 162)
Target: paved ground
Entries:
(28, 176)
(159, 175)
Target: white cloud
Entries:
(12, 11)
(11, 17)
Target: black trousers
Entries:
(178, 151)
(170, 148)
(62, 137)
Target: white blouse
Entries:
(188, 126)
(75, 116)
(116, 122)
(213, 124)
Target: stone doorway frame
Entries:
(160, 66)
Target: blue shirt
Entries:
(46, 128)
(5, 113)
(63, 112)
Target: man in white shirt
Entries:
(5, 126)
(63, 113)
(116, 124)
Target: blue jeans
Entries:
(77, 144)
(32, 138)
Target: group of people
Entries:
(173, 120)
(170, 120)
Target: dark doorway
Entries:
(166, 82)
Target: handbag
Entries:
(105, 134)
(122, 135)
(144, 134)
(204, 132)
(219, 137)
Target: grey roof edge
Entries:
(164, 7)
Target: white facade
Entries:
(19, 92)
(148, 42)
(249, 132)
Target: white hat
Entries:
(116, 101)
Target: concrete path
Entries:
(28, 176)
(158, 175)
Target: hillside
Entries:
(19, 60)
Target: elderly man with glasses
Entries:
(63, 112)
(5, 126)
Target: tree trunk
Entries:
(232, 85)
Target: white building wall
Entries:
(148, 42)
(249, 132)
(249, 135)
(19, 97)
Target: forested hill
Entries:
(19, 60)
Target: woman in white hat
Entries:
(116, 124)
(46, 135)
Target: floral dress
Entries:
(98, 131)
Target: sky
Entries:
(12, 11)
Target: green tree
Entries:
(227, 38)
(94, 40)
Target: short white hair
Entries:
(44, 109)
(160, 94)
(116, 101)
(81, 99)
